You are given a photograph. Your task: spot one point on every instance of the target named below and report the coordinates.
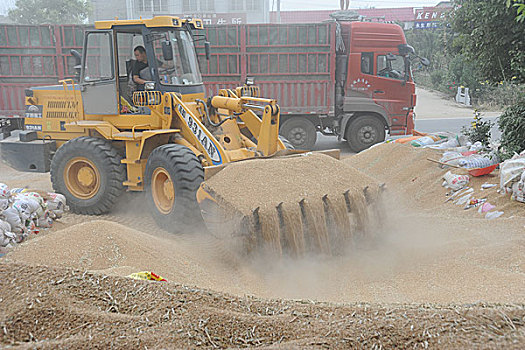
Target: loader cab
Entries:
(168, 63)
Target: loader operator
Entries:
(140, 71)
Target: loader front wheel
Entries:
(88, 172)
(173, 176)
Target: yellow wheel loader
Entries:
(146, 125)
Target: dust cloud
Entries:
(419, 254)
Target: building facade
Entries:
(211, 11)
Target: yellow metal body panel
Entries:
(196, 133)
(157, 21)
(136, 153)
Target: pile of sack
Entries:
(512, 177)
(469, 159)
(458, 150)
(23, 212)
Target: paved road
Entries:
(453, 125)
(435, 112)
(424, 125)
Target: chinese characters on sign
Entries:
(427, 25)
(219, 18)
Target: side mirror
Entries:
(167, 52)
(425, 61)
(78, 62)
(405, 49)
(207, 49)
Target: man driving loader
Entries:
(140, 71)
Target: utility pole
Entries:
(278, 11)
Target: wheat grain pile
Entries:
(436, 275)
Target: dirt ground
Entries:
(434, 104)
(435, 276)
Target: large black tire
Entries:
(364, 131)
(173, 176)
(89, 173)
(301, 132)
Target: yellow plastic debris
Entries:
(147, 275)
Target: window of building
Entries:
(245, 5)
(207, 5)
(190, 5)
(253, 5)
(237, 5)
(198, 5)
(151, 5)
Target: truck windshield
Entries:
(391, 66)
(183, 69)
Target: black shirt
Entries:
(137, 67)
(135, 70)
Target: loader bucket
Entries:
(293, 205)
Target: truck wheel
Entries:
(88, 172)
(300, 132)
(364, 132)
(286, 143)
(173, 176)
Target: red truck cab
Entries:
(377, 93)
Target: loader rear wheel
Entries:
(300, 132)
(173, 176)
(88, 172)
(364, 132)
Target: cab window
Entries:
(391, 66)
(99, 59)
(367, 62)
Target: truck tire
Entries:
(172, 177)
(286, 143)
(364, 131)
(301, 132)
(88, 172)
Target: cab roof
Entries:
(157, 21)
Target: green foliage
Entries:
(498, 94)
(479, 130)
(482, 47)
(464, 72)
(512, 126)
(50, 11)
(520, 9)
(437, 77)
(489, 36)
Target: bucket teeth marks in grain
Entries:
(292, 229)
(327, 225)
(295, 214)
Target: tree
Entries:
(520, 9)
(50, 11)
(489, 35)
